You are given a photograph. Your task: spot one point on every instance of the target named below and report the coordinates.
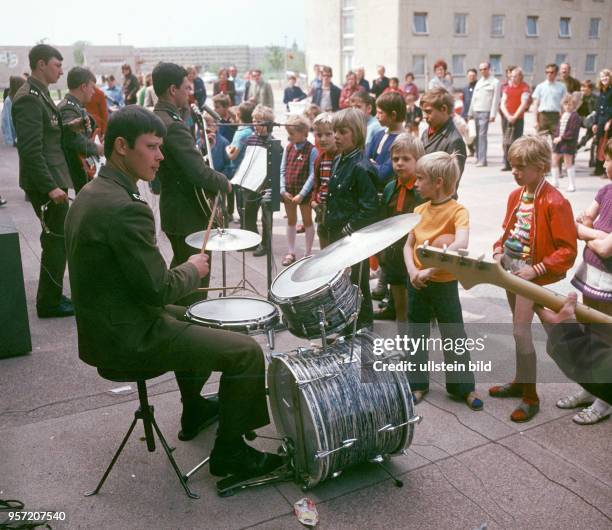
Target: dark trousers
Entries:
(181, 252)
(53, 256)
(196, 351)
(439, 300)
(512, 132)
(251, 204)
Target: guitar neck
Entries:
(547, 298)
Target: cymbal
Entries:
(355, 248)
(224, 239)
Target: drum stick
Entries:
(210, 222)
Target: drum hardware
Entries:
(225, 240)
(379, 459)
(324, 377)
(256, 316)
(345, 445)
(322, 323)
(411, 421)
(358, 299)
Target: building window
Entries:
(348, 23)
(564, 27)
(594, 28)
(532, 26)
(560, 58)
(418, 65)
(347, 62)
(458, 66)
(348, 35)
(496, 64)
(348, 3)
(589, 67)
(420, 24)
(460, 24)
(497, 26)
(528, 62)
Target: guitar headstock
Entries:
(468, 270)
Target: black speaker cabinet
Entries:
(14, 325)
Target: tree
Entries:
(276, 58)
(79, 52)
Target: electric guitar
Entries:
(472, 271)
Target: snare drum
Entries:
(330, 300)
(236, 313)
(335, 415)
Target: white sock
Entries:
(309, 233)
(554, 171)
(601, 407)
(571, 175)
(291, 231)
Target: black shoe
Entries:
(260, 251)
(2, 201)
(386, 313)
(379, 292)
(193, 421)
(242, 460)
(64, 309)
(507, 168)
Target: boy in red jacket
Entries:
(539, 245)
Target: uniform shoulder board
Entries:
(34, 92)
(136, 197)
(175, 117)
(70, 102)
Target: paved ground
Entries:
(59, 425)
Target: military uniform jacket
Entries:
(42, 164)
(183, 174)
(119, 280)
(76, 143)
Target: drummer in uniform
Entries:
(185, 178)
(121, 285)
(44, 173)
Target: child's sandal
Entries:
(525, 411)
(288, 260)
(473, 401)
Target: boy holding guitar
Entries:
(539, 245)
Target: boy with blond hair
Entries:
(538, 245)
(326, 147)
(296, 181)
(433, 292)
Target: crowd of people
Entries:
(354, 156)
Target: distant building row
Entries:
(410, 35)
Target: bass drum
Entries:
(337, 413)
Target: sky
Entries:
(152, 23)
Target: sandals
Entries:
(288, 260)
(590, 416)
(580, 399)
(506, 391)
(473, 401)
(418, 395)
(525, 411)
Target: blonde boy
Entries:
(434, 292)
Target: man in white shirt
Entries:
(547, 101)
(483, 108)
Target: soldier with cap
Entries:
(44, 174)
(79, 126)
(183, 209)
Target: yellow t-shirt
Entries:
(438, 219)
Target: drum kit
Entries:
(331, 408)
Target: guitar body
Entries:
(473, 271)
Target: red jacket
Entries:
(553, 236)
(97, 108)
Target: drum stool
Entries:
(146, 414)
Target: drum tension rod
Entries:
(379, 460)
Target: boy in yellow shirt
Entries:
(434, 292)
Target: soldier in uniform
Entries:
(184, 209)
(123, 321)
(44, 174)
(78, 126)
